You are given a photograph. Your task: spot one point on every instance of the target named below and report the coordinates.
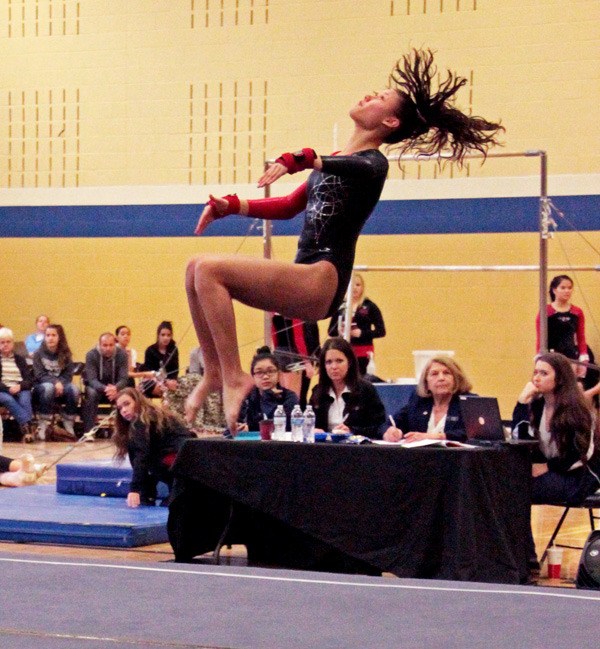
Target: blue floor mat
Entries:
(100, 477)
(39, 514)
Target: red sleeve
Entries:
(298, 332)
(279, 208)
(581, 342)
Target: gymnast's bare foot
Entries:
(197, 397)
(233, 397)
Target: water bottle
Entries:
(297, 423)
(279, 420)
(308, 428)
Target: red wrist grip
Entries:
(233, 206)
(298, 161)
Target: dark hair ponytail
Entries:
(429, 123)
(264, 353)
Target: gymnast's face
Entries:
(376, 109)
(126, 407)
(563, 291)
(266, 375)
(544, 377)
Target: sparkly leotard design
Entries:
(340, 199)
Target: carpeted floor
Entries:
(95, 604)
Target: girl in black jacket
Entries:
(342, 400)
(163, 358)
(552, 408)
(151, 437)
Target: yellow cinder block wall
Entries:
(113, 93)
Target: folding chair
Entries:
(590, 503)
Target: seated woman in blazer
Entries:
(342, 401)
(433, 412)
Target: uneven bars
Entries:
(437, 269)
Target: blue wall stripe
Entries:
(448, 216)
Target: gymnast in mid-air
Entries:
(338, 198)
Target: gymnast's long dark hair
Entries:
(572, 416)
(429, 122)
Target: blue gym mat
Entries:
(40, 514)
(97, 478)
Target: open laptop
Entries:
(481, 417)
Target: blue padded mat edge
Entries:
(98, 477)
(39, 514)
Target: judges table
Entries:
(443, 513)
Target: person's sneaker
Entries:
(61, 435)
(68, 425)
(26, 434)
(40, 433)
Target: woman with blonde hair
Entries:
(433, 412)
(366, 323)
(152, 437)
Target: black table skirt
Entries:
(454, 514)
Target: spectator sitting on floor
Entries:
(433, 412)
(16, 381)
(342, 400)
(267, 392)
(19, 473)
(34, 340)
(161, 357)
(106, 373)
(53, 375)
(152, 437)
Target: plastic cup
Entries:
(554, 562)
(266, 429)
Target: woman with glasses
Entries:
(266, 394)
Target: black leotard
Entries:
(341, 198)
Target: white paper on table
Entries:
(424, 442)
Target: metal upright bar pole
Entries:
(267, 231)
(543, 278)
(348, 311)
